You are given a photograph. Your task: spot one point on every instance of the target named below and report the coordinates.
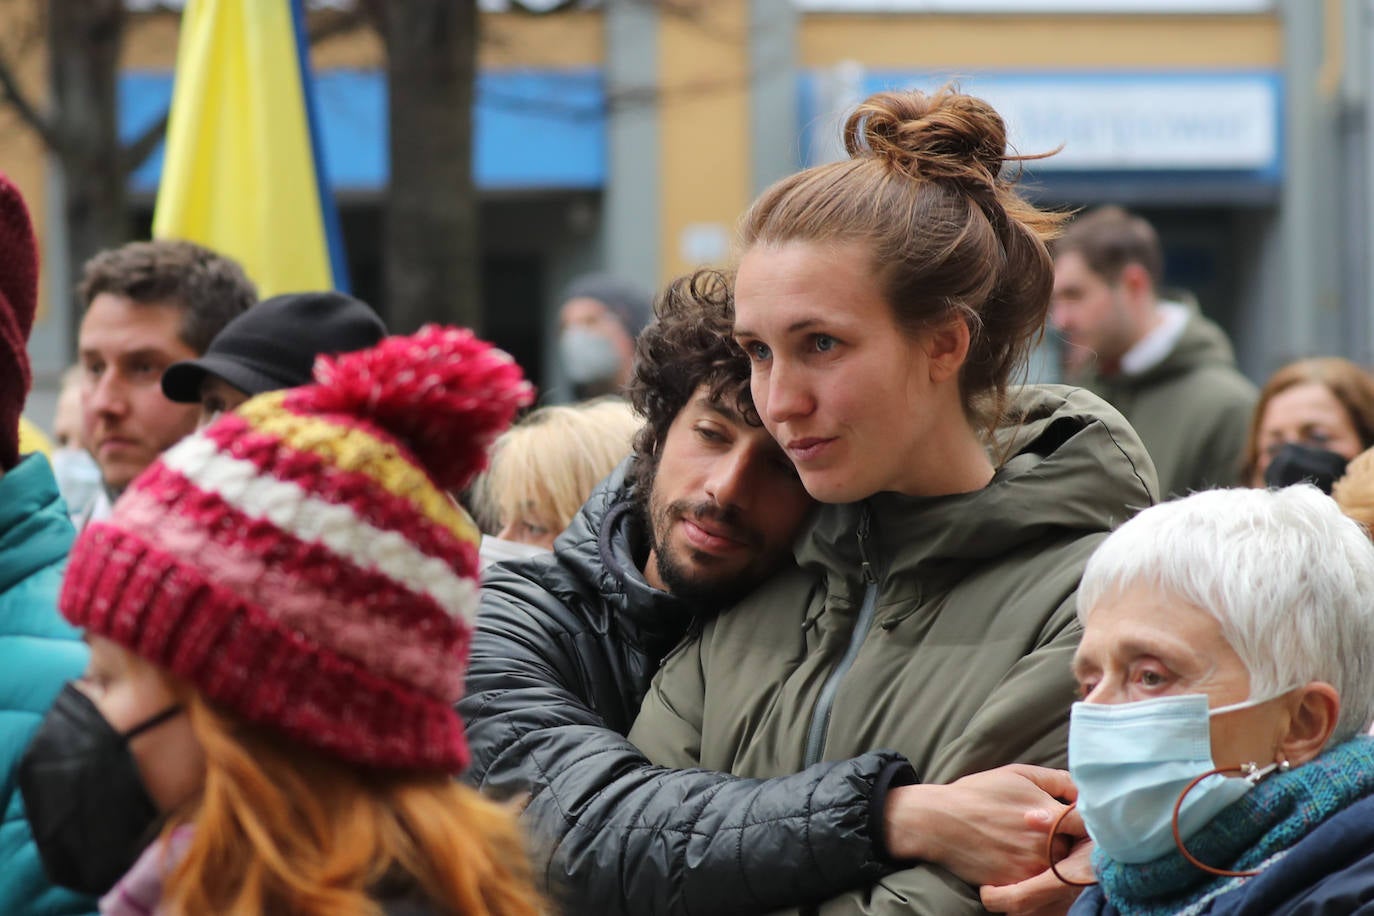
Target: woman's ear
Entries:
(1311, 721)
(947, 348)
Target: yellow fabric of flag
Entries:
(239, 173)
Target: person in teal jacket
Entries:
(39, 651)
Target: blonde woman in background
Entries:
(544, 468)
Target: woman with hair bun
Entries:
(887, 303)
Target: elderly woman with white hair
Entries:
(1227, 673)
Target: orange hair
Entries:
(279, 828)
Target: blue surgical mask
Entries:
(1132, 761)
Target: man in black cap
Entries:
(271, 346)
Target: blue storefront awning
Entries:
(533, 129)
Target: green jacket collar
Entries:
(1075, 467)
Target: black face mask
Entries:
(87, 806)
(1294, 463)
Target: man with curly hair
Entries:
(704, 511)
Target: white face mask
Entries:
(78, 478)
(496, 550)
(1132, 761)
(588, 356)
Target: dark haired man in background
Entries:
(1169, 370)
(147, 305)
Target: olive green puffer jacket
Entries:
(943, 628)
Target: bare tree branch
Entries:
(698, 13)
(11, 90)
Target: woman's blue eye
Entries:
(825, 343)
(758, 351)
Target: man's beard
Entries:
(709, 596)
(709, 593)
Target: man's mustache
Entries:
(723, 520)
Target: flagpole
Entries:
(329, 212)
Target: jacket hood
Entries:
(603, 547)
(1203, 343)
(1076, 467)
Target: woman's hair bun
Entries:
(945, 135)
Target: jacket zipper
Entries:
(820, 716)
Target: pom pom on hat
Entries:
(443, 392)
(297, 561)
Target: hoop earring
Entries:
(1049, 850)
(1253, 773)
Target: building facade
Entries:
(629, 135)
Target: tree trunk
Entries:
(432, 268)
(84, 38)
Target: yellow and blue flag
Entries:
(242, 172)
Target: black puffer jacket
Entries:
(565, 649)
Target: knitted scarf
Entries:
(139, 893)
(1250, 834)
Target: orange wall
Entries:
(1043, 42)
(21, 151)
(703, 123)
(704, 67)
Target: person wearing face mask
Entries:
(598, 322)
(279, 610)
(1313, 416)
(38, 650)
(1225, 676)
(77, 473)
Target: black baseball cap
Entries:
(273, 345)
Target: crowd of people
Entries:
(811, 606)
